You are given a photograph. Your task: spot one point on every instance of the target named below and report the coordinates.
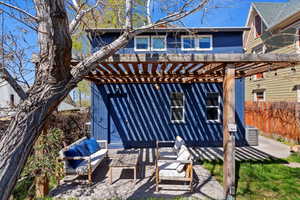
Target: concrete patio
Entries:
(205, 186)
(123, 187)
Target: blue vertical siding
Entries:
(141, 114)
(223, 42)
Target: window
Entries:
(201, 42)
(259, 25)
(12, 100)
(213, 107)
(188, 43)
(259, 96)
(158, 43)
(177, 107)
(141, 43)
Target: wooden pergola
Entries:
(195, 68)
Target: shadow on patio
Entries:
(123, 187)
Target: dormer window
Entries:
(198, 43)
(259, 26)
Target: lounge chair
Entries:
(169, 153)
(179, 169)
(83, 156)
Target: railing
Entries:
(279, 118)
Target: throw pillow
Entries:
(178, 143)
(73, 152)
(92, 145)
(82, 148)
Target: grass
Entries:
(263, 180)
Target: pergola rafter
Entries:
(185, 68)
(195, 68)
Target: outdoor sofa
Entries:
(83, 156)
(174, 165)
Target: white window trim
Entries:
(197, 48)
(165, 42)
(140, 36)
(183, 110)
(255, 97)
(219, 110)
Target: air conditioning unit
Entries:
(252, 135)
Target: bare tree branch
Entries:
(20, 10)
(176, 16)
(149, 21)
(75, 4)
(20, 20)
(128, 14)
(81, 13)
(13, 83)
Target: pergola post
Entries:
(229, 127)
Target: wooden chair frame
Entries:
(88, 158)
(188, 170)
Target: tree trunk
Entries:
(50, 87)
(54, 80)
(41, 178)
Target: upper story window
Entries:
(200, 42)
(150, 43)
(158, 43)
(259, 25)
(141, 43)
(177, 107)
(213, 110)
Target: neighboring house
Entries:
(274, 29)
(8, 98)
(136, 115)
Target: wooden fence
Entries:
(279, 118)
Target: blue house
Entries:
(136, 104)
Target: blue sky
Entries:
(227, 13)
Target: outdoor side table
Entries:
(125, 160)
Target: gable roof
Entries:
(274, 13)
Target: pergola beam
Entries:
(204, 58)
(229, 128)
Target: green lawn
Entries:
(263, 180)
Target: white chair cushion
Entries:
(178, 143)
(168, 155)
(167, 169)
(183, 154)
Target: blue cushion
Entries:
(82, 148)
(92, 145)
(72, 152)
